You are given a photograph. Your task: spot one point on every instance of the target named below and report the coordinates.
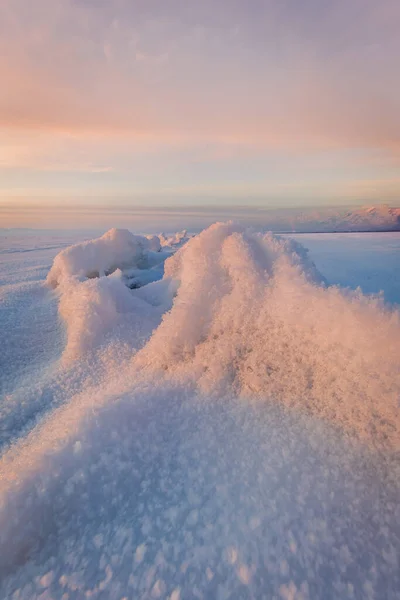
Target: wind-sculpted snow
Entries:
(91, 303)
(231, 431)
(252, 317)
(116, 249)
(175, 240)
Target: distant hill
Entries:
(369, 218)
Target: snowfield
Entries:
(201, 417)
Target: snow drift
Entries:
(93, 289)
(253, 317)
(249, 315)
(235, 436)
(116, 249)
(175, 240)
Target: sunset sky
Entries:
(197, 103)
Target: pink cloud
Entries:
(67, 68)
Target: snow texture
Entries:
(116, 249)
(226, 426)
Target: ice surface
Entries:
(368, 260)
(230, 430)
(30, 332)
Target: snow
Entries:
(328, 219)
(91, 303)
(252, 316)
(366, 260)
(174, 240)
(218, 421)
(116, 249)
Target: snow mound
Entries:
(175, 240)
(154, 243)
(253, 317)
(93, 279)
(212, 457)
(248, 315)
(116, 249)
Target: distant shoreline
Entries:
(340, 231)
(22, 230)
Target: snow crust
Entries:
(228, 430)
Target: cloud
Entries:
(295, 77)
(159, 99)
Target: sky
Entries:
(194, 104)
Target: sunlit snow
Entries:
(198, 417)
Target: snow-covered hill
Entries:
(372, 218)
